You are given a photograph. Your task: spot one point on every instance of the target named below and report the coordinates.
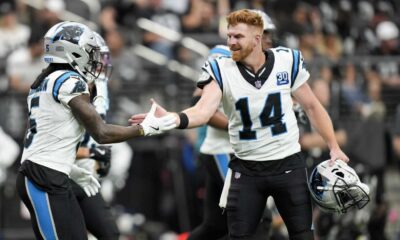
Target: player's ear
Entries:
(257, 39)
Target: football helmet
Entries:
(268, 24)
(219, 51)
(105, 55)
(75, 44)
(337, 188)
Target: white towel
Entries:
(224, 195)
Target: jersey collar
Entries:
(260, 77)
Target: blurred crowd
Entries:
(351, 48)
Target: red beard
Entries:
(241, 54)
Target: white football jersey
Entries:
(262, 124)
(54, 133)
(216, 141)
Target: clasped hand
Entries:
(153, 125)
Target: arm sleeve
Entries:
(210, 71)
(73, 86)
(300, 74)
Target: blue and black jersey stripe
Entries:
(295, 66)
(217, 73)
(59, 82)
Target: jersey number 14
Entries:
(270, 116)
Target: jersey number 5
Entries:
(32, 123)
(271, 115)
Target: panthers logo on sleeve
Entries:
(205, 77)
(80, 87)
(67, 86)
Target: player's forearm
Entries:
(100, 131)
(197, 116)
(109, 133)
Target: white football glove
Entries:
(153, 125)
(85, 179)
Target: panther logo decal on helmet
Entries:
(69, 33)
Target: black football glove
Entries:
(102, 154)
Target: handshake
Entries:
(153, 125)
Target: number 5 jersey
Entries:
(53, 134)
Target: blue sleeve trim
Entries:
(41, 206)
(295, 66)
(59, 82)
(216, 72)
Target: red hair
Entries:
(245, 16)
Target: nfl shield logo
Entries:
(237, 175)
(258, 84)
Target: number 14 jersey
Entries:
(262, 124)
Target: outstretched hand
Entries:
(138, 118)
(153, 125)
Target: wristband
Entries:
(184, 120)
(141, 130)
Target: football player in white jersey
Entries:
(59, 112)
(96, 158)
(215, 154)
(255, 88)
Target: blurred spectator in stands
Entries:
(9, 151)
(22, 65)
(396, 132)
(310, 141)
(332, 43)
(52, 12)
(24, 62)
(46, 17)
(126, 66)
(310, 44)
(385, 69)
(362, 96)
(120, 13)
(12, 33)
(353, 87)
(374, 108)
(387, 33)
(305, 18)
(88, 10)
(156, 12)
(127, 74)
(202, 17)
